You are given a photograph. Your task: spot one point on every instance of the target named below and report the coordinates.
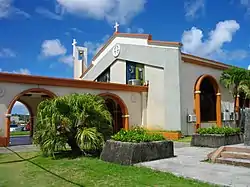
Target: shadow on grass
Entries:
(70, 155)
(41, 167)
(16, 161)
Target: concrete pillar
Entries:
(218, 110)
(197, 109)
(247, 127)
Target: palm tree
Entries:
(81, 121)
(233, 79)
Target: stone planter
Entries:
(215, 140)
(126, 153)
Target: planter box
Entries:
(170, 135)
(126, 153)
(215, 140)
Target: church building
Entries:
(144, 82)
(184, 92)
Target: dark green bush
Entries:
(137, 135)
(219, 130)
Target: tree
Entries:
(81, 121)
(233, 79)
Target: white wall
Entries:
(189, 75)
(137, 50)
(118, 72)
(172, 90)
(161, 69)
(156, 98)
(133, 100)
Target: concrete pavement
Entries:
(188, 164)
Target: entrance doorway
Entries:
(30, 99)
(116, 113)
(118, 110)
(207, 101)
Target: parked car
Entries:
(15, 128)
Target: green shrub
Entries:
(80, 120)
(137, 135)
(219, 130)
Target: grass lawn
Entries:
(186, 139)
(22, 133)
(39, 171)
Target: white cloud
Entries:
(73, 30)
(52, 48)
(67, 33)
(19, 108)
(134, 30)
(7, 9)
(17, 104)
(23, 71)
(246, 4)
(94, 47)
(212, 47)
(48, 14)
(76, 30)
(6, 52)
(111, 10)
(193, 8)
(67, 60)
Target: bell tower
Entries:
(80, 55)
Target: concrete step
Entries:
(238, 155)
(237, 149)
(233, 161)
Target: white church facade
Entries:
(144, 82)
(184, 92)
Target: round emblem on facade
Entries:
(116, 50)
(1, 92)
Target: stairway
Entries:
(237, 155)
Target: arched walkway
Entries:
(30, 113)
(118, 110)
(207, 99)
(18, 97)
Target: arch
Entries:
(197, 101)
(34, 90)
(211, 78)
(17, 98)
(120, 102)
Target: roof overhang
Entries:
(70, 83)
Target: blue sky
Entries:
(36, 36)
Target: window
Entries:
(80, 54)
(105, 76)
(134, 71)
(130, 71)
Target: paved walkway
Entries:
(187, 164)
(20, 140)
(19, 148)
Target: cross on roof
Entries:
(116, 26)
